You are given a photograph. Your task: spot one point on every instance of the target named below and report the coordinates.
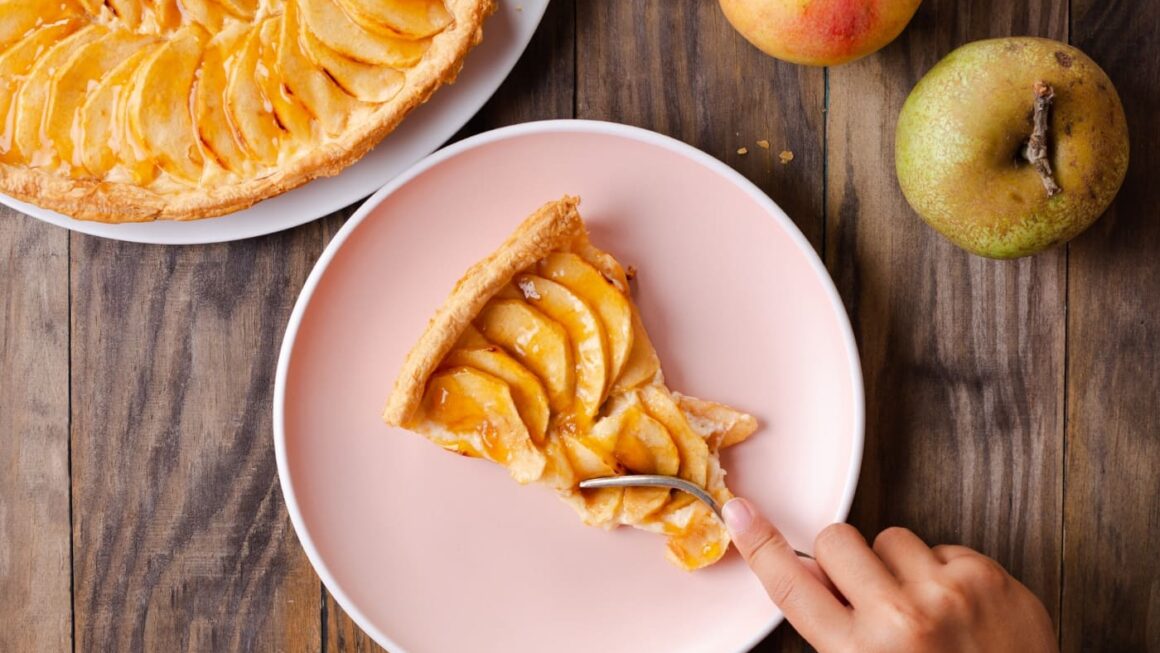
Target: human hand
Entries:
(900, 595)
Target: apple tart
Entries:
(538, 361)
(136, 110)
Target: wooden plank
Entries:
(539, 88)
(182, 541)
(681, 69)
(35, 572)
(1111, 574)
(962, 357)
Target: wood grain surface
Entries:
(181, 539)
(35, 578)
(1011, 406)
(962, 357)
(1111, 509)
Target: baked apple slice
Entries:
(411, 19)
(102, 115)
(15, 63)
(596, 291)
(159, 111)
(306, 81)
(249, 111)
(220, 140)
(19, 17)
(32, 98)
(584, 333)
(327, 21)
(363, 81)
(527, 392)
(69, 89)
(535, 341)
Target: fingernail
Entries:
(738, 515)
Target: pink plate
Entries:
(434, 552)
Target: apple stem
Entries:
(1036, 150)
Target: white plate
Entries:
(506, 34)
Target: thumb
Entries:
(806, 601)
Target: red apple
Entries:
(819, 32)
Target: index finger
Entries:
(812, 609)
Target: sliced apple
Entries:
(102, 130)
(509, 291)
(335, 28)
(306, 82)
(642, 365)
(292, 117)
(138, 164)
(479, 408)
(701, 543)
(646, 447)
(634, 442)
(538, 343)
(28, 141)
(244, 9)
(128, 12)
(249, 111)
(363, 81)
(413, 19)
(217, 135)
(602, 506)
(72, 84)
(720, 425)
(584, 329)
(588, 461)
(693, 450)
(610, 304)
(558, 473)
(606, 431)
(678, 513)
(159, 112)
(606, 264)
(527, 391)
(207, 13)
(18, 18)
(471, 338)
(639, 503)
(16, 61)
(167, 15)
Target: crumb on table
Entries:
(786, 156)
(743, 151)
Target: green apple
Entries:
(1010, 146)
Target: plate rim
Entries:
(573, 125)
(533, 15)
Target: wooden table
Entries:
(1013, 407)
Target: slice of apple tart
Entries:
(135, 110)
(538, 361)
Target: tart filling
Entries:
(539, 361)
(134, 110)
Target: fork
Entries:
(660, 480)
